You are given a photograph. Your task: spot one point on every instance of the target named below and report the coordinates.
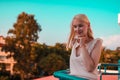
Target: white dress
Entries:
(77, 67)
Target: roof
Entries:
(47, 78)
(104, 77)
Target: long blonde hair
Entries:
(83, 18)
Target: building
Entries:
(9, 62)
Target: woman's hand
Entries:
(80, 40)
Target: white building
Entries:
(9, 62)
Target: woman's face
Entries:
(80, 28)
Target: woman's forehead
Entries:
(80, 21)
(76, 21)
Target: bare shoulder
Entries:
(98, 42)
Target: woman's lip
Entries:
(80, 32)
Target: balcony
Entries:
(64, 74)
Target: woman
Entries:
(86, 50)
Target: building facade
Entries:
(9, 62)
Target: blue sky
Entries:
(55, 17)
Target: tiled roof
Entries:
(104, 77)
(47, 78)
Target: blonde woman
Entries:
(86, 50)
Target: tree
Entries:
(19, 42)
(52, 63)
(102, 58)
(61, 50)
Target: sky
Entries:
(55, 17)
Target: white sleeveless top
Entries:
(77, 68)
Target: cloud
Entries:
(111, 42)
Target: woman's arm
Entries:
(92, 60)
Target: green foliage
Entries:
(2, 66)
(49, 57)
(51, 63)
(4, 78)
(4, 75)
(110, 56)
(19, 43)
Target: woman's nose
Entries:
(77, 28)
(80, 28)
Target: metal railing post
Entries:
(119, 69)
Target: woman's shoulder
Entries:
(94, 43)
(98, 40)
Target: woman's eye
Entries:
(74, 26)
(80, 25)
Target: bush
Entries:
(51, 63)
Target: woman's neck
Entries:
(88, 40)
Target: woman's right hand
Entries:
(80, 39)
